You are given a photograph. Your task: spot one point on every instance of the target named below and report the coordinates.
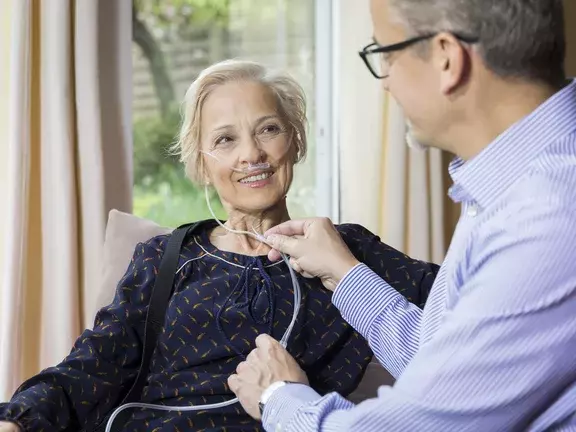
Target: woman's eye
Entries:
(223, 140)
(271, 129)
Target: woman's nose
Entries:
(252, 151)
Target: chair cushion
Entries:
(123, 232)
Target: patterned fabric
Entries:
(494, 348)
(217, 310)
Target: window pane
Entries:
(173, 41)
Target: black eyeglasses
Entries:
(375, 58)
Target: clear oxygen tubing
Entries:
(244, 170)
(283, 341)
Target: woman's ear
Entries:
(207, 180)
(204, 171)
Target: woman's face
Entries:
(241, 126)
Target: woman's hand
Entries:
(315, 247)
(268, 363)
(9, 427)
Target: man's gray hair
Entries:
(517, 38)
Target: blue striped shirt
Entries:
(495, 347)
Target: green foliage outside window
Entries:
(161, 190)
(173, 41)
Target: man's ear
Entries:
(453, 61)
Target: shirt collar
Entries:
(485, 177)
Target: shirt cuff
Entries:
(284, 403)
(361, 296)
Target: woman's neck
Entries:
(248, 222)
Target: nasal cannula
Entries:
(245, 170)
(283, 341)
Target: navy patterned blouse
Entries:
(221, 302)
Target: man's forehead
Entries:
(387, 29)
(381, 10)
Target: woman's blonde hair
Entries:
(289, 95)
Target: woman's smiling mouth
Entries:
(257, 180)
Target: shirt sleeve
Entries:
(503, 356)
(388, 321)
(102, 364)
(382, 298)
(410, 277)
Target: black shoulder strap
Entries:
(161, 293)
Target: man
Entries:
(494, 348)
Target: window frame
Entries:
(327, 187)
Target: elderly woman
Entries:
(238, 115)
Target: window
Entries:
(173, 40)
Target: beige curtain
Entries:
(394, 191)
(5, 29)
(415, 214)
(69, 163)
(357, 116)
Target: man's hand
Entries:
(315, 248)
(267, 363)
(9, 427)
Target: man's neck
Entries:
(494, 112)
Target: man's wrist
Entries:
(284, 403)
(269, 391)
(344, 268)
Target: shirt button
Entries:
(472, 210)
(278, 427)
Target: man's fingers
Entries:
(233, 382)
(264, 341)
(242, 367)
(274, 255)
(283, 244)
(252, 356)
(294, 264)
(290, 228)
